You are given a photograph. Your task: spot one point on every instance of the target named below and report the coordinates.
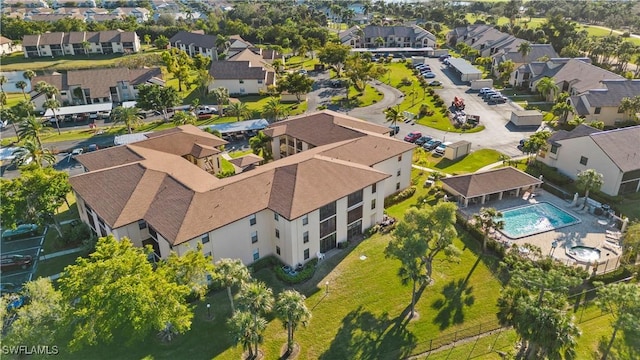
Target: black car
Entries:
(336, 83)
(394, 130)
(423, 140)
(431, 144)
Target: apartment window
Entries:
(397, 186)
(256, 254)
(400, 158)
(277, 233)
(278, 250)
(305, 237)
(153, 233)
(276, 217)
(306, 254)
(398, 172)
(327, 227)
(583, 160)
(597, 110)
(241, 81)
(252, 219)
(620, 110)
(260, 81)
(207, 254)
(354, 215)
(205, 238)
(142, 224)
(373, 204)
(305, 220)
(354, 198)
(554, 149)
(327, 210)
(374, 188)
(254, 237)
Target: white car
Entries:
(76, 152)
(205, 110)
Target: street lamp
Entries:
(326, 290)
(554, 245)
(209, 311)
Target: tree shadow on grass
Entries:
(364, 335)
(457, 295)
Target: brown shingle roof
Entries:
(490, 182)
(246, 160)
(107, 158)
(369, 150)
(185, 139)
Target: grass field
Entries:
(57, 264)
(368, 97)
(14, 98)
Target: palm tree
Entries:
(547, 86)
(589, 180)
(378, 42)
(273, 109)
(183, 118)
(23, 109)
(32, 128)
(524, 49)
(246, 331)
(22, 85)
(53, 104)
(231, 272)
(292, 310)
(86, 46)
(128, 116)
(46, 88)
(222, 97)
(630, 106)
(257, 299)
(29, 74)
(486, 220)
(239, 110)
(393, 115)
(3, 99)
(30, 150)
(261, 145)
(3, 80)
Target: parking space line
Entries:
(22, 250)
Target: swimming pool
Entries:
(533, 219)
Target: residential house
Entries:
(603, 104)
(484, 38)
(25, 3)
(613, 153)
(241, 77)
(141, 14)
(53, 17)
(80, 43)
(572, 75)
(392, 36)
(537, 52)
(237, 44)
(195, 43)
(110, 85)
(7, 46)
(292, 208)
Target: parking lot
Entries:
(24, 246)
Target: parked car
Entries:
(489, 94)
(425, 69)
(497, 99)
(24, 229)
(422, 140)
(9, 288)
(14, 262)
(484, 90)
(413, 136)
(93, 147)
(441, 148)
(435, 83)
(431, 144)
(429, 75)
(206, 110)
(336, 83)
(394, 130)
(302, 71)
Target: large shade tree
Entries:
(293, 311)
(117, 295)
(221, 95)
(158, 98)
(296, 83)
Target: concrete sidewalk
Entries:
(61, 253)
(498, 163)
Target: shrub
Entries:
(399, 196)
(406, 81)
(343, 245)
(322, 107)
(76, 234)
(425, 111)
(264, 263)
(305, 274)
(372, 230)
(620, 273)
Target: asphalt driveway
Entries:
(27, 246)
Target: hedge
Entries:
(399, 196)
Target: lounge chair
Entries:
(320, 255)
(611, 236)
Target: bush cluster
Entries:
(307, 272)
(425, 111)
(399, 196)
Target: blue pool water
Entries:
(534, 219)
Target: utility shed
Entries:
(457, 150)
(526, 118)
(465, 69)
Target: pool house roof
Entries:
(489, 182)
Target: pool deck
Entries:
(589, 232)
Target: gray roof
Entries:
(580, 131)
(537, 51)
(188, 38)
(612, 93)
(373, 31)
(236, 70)
(581, 75)
(463, 66)
(77, 37)
(621, 146)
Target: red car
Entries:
(413, 136)
(13, 262)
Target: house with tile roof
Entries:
(242, 77)
(392, 36)
(73, 43)
(108, 85)
(538, 51)
(572, 75)
(195, 42)
(292, 208)
(612, 153)
(484, 38)
(7, 46)
(603, 103)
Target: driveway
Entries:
(26, 246)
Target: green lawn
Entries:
(57, 264)
(17, 61)
(237, 154)
(368, 97)
(14, 98)
(467, 164)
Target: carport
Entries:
(239, 127)
(465, 69)
(478, 188)
(81, 109)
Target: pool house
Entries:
(495, 184)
